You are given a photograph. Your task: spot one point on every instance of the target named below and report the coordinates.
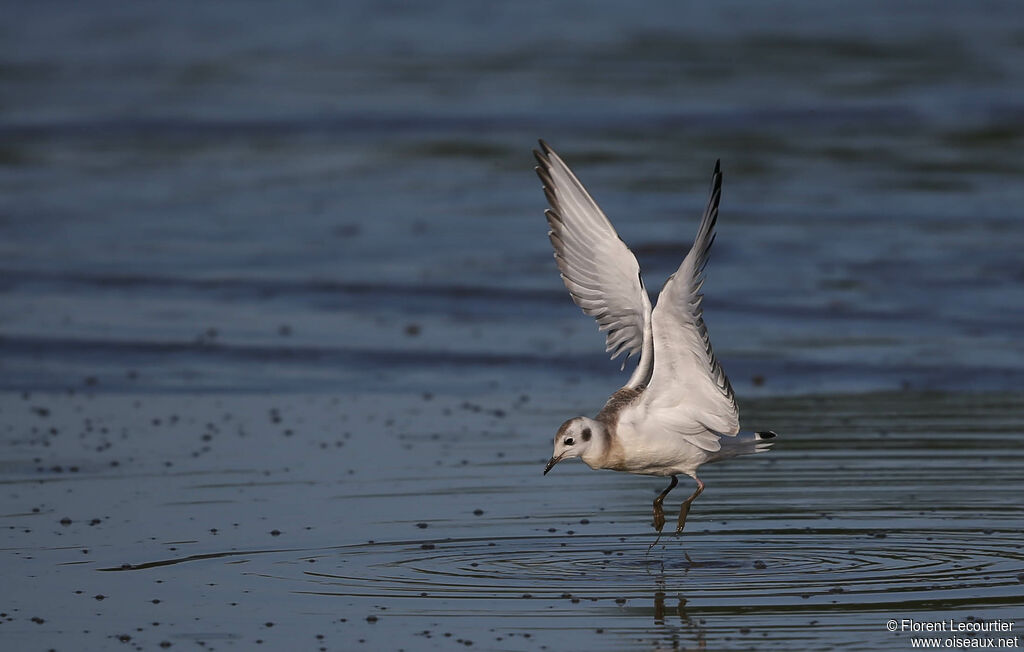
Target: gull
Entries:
(677, 411)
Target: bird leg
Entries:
(659, 513)
(685, 509)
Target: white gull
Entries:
(678, 410)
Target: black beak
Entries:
(553, 461)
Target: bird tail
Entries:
(745, 443)
(764, 440)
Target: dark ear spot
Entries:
(586, 434)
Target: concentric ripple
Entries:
(763, 568)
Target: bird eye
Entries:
(568, 441)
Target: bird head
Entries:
(574, 439)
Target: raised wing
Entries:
(599, 270)
(689, 392)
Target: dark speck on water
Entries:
(274, 280)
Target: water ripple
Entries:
(781, 569)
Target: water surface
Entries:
(282, 345)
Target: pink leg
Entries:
(685, 509)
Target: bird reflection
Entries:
(682, 631)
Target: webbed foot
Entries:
(659, 517)
(683, 512)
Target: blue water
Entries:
(344, 170)
(213, 209)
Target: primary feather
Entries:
(597, 267)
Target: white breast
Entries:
(649, 448)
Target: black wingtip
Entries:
(541, 155)
(768, 434)
(716, 182)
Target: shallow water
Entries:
(400, 521)
(282, 346)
